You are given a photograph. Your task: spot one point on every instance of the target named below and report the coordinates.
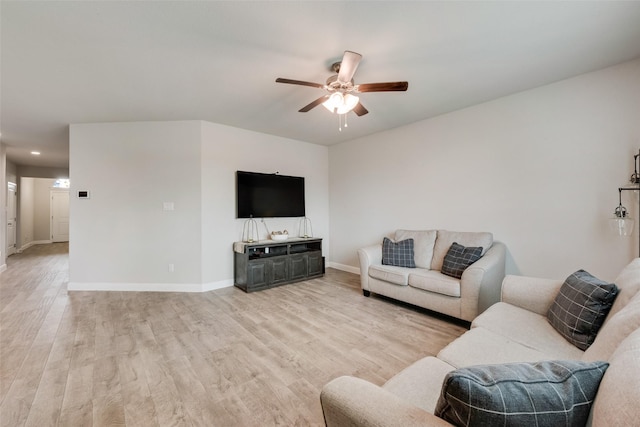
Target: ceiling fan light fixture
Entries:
(334, 102)
(339, 88)
(340, 103)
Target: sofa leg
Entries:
(366, 293)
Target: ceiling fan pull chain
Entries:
(345, 120)
(339, 122)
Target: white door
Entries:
(11, 217)
(59, 215)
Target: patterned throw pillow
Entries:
(581, 306)
(547, 393)
(458, 258)
(399, 253)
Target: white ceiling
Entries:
(88, 61)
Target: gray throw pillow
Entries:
(399, 254)
(548, 393)
(458, 258)
(581, 306)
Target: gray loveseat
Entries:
(426, 286)
(513, 330)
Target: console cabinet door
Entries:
(278, 270)
(257, 274)
(314, 263)
(298, 265)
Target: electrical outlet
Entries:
(171, 268)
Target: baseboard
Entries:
(344, 267)
(35, 242)
(212, 286)
(149, 287)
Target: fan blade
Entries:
(382, 87)
(360, 110)
(313, 104)
(299, 82)
(348, 66)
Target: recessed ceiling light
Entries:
(35, 153)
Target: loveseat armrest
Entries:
(531, 293)
(481, 281)
(350, 401)
(370, 255)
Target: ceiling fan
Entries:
(340, 97)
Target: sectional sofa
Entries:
(515, 330)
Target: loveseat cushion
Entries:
(434, 281)
(446, 238)
(458, 258)
(388, 273)
(423, 242)
(399, 254)
(580, 308)
(547, 393)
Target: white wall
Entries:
(42, 209)
(121, 238)
(4, 175)
(122, 234)
(540, 169)
(42, 172)
(26, 215)
(226, 150)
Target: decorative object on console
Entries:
(279, 235)
(250, 231)
(546, 393)
(305, 230)
(458, 258)
(579, 309)
(621, 224)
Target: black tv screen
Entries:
(262, 195)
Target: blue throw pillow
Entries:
(399, 253)
(548, 393)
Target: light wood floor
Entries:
(221, 358)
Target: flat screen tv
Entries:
(262, 195)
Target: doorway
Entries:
(43, 212)
(59, 215)
(12, 197)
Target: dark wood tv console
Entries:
(268, 263)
